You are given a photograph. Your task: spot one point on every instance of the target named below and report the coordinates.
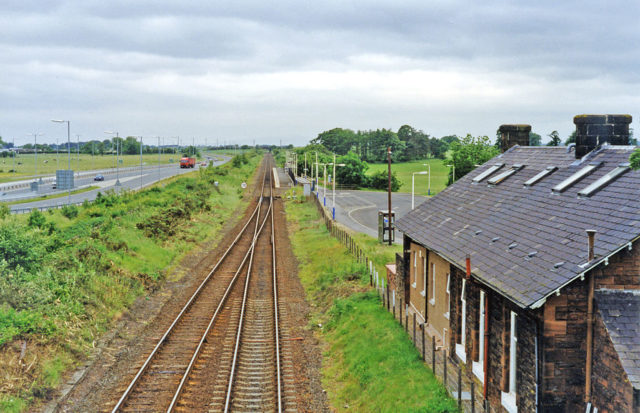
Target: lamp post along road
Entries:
(413, 184)
(68, 150)
(35, 150)
(334, 185)
(117, 155)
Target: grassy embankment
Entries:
(369, 362)
(404, 171)
(49, 162)
(66, 275)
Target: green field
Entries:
(48, 163)
(404, 171)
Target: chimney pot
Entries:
(514, 134)
(591, 233)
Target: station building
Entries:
(527, 271)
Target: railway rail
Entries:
(223, 351)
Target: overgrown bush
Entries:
(70, 211)
(36, 219)
(5, 211)
(19, 247)
(380, 180)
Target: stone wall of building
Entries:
(611, 390)
(623, 271)
(564, 351)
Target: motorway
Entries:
(358, 210)
(130, 179)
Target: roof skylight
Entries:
(488, 172)
(604, 180)
(504, 175)
(562, 186)
(548, 171)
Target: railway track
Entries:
(224, 350)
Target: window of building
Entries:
(413, 273)
(460, 348)
(432, 301)
(509, 398)
(424, 276)
(478, 366)
(446, 315)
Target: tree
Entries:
(417, 143)
(571, 138)
(555, 139)
(353, 173)
(534, 139)
(439, 147)
(337, 140)
(634, 159)
(469, 152)
(130, 146)
(449, 139)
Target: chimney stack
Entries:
(594, 130)
(591, 233)
(511, 135)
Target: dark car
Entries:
(99, 178)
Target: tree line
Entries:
(371, 146)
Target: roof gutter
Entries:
(604, 259)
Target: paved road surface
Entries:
(358, 210)
(130, 180)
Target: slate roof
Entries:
(620, 310)
(501, 225)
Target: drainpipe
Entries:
(537, 356)
(591, 233)
(485, 364)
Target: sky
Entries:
(284, 71)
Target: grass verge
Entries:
(66, 275)
(369, 362)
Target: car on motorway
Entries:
(98, 177)
(204, 163)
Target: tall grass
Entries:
(369, 364)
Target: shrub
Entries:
(5, 211)
(70, 211)
(36, 219)
(19, 247)
(380, 180)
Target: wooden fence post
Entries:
(444, 363)
(433, 353)
(400, 311)
(424, 356)
(473, 397)
(414, 328)
(459, 387)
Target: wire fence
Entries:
(467, 392)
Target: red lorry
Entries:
(187, 162)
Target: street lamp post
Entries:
(413, 184)
(334, 185)
(117, 155)
(35, 149)
(68, 149)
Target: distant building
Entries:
(500, 270)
